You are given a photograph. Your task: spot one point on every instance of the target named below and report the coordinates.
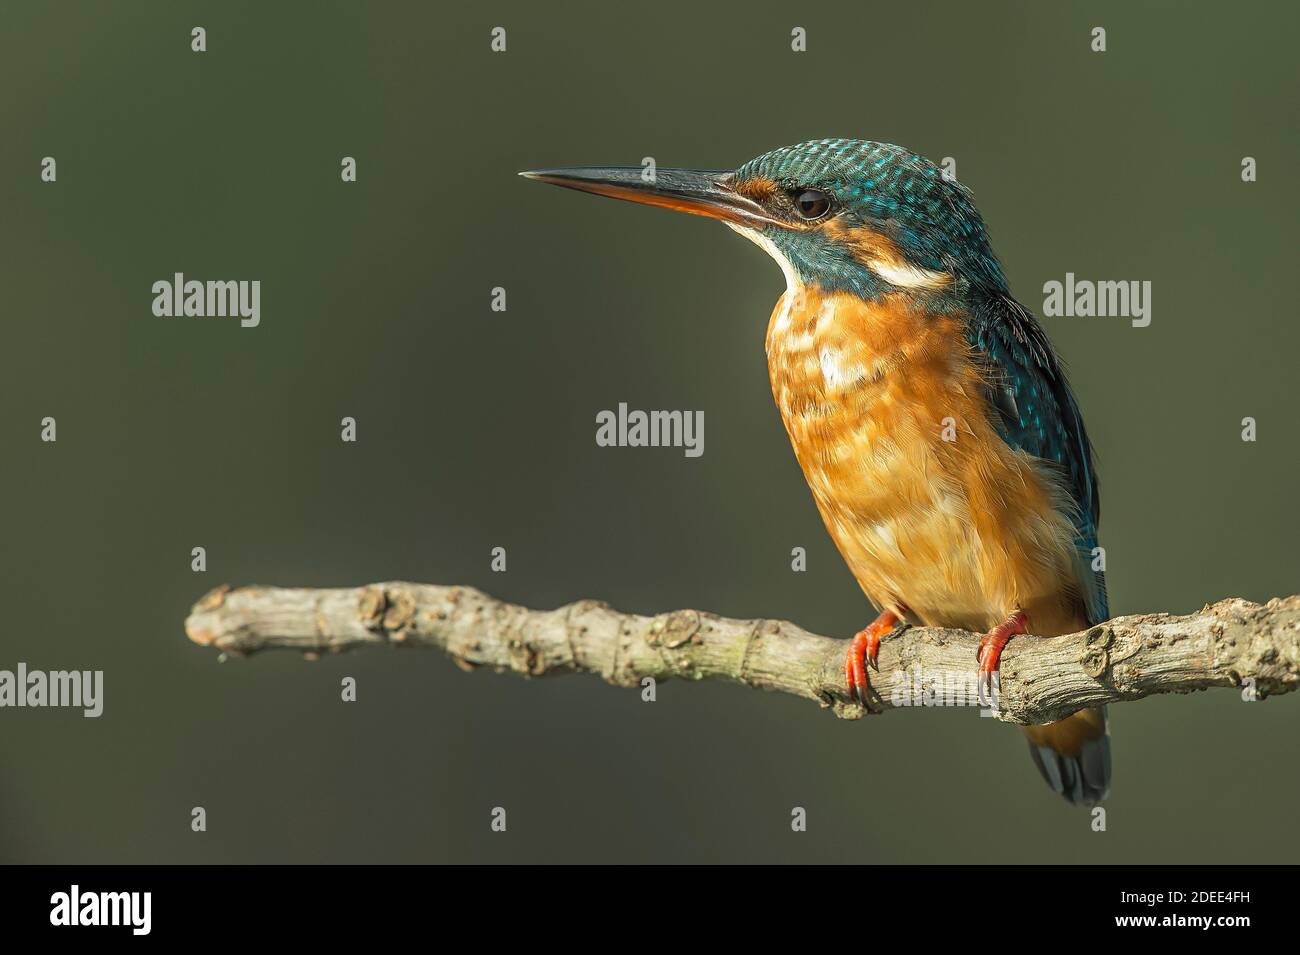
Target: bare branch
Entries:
(1232, 643)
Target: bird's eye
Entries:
(812, 203)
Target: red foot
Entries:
(863, 650)
(989, 653)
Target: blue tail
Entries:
(1073, 755)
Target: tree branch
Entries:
(1230, 643)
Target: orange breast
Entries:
(930, 508)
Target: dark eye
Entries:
(812, 203)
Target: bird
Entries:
(928, 411)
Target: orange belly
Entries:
(932, 510)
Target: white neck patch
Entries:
(903, 275)
(767, 245)
(898, 274)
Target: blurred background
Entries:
(476, 428)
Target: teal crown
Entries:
(931, 218)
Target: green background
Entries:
(476, 429)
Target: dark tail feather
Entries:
(1073, 755)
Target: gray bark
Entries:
(1232, 643)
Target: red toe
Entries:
(855, 668)
(864, 649)
(993, 642)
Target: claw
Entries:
(989, 652)
(855, 671)
(865, 650)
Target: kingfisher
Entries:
(927, 409)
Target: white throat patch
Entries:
(767, 245)
(898, 274)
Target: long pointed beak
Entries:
(701, 192)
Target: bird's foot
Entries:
(863, 651)
(989, 653)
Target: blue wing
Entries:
(1038, 414)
